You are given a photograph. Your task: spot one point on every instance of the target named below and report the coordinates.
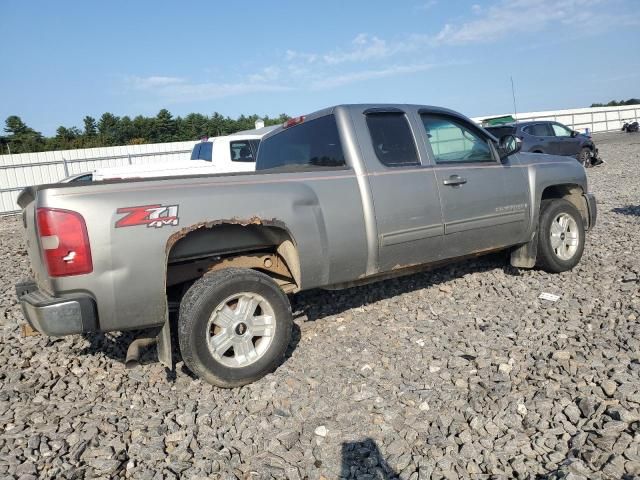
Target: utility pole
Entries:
(513, 93)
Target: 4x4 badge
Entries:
(150, 215)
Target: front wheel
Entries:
(234, 327)
(560, 236)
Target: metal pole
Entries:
(513, 93)
(66, 168)
(129, 158)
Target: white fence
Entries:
(598, 119)
(18, 171)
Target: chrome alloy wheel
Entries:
(241, 329)
(565, 236)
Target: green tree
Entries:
(108, 129)
(112, 130)
(90, 127)
(21, 138)
(165, 127)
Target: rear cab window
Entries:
(308, 145)
(241, 151)
(392, 139)
(202, 151)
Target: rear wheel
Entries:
(584, 157)
(234, 327)
(561, 236)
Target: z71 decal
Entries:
(150, 215)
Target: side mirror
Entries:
(574, 134)
(508, 145)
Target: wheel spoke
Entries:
(221, 342)
(556, 241)
(246, 308)
(571, 239)
(224, 318)
(556, 229)
(262, 326)
(245, 351)
(563, 220)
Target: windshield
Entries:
(202, 151)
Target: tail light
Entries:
(64, 242)
(293, 121)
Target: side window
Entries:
(202, 151)
(392, 139)
(241, 151)
(540, 130)
(453, 142)
(313, 143)
(560, 130)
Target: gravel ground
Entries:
(458, 373)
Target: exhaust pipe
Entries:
(135, 349)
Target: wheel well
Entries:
(537, 151)
(571, 193)
(207, 247)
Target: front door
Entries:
(484, 201)
(569, 145)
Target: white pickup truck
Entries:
(225, 154)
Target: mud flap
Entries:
(164, 345)
(525, 255)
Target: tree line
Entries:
(616, 103)
(110, 130)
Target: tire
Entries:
(584, 157)
(556, 250)
(215, 337)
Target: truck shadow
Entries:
(631, 210)
(114, 346)
(363, 459)
(317, 304)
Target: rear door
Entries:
(484, 201)
(541, 138)
(404, 191)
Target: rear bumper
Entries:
(57, 316)
(592, 209)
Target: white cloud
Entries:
(369, 56)
(428, 5)
(344, 79)
(154, 81)
(183, 90)
(515, 16)
(363, 47)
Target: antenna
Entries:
(513, 93)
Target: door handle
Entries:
(455, 180)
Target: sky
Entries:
(62, 60)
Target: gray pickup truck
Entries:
(343, 196)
